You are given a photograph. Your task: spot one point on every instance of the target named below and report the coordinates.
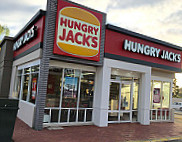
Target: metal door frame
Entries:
(119, 111)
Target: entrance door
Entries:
(121, 101)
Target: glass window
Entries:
(81, 115)
(18, 85)
(54, 115)
(113, 76)
(114, 96)
(71, 92)
(64, 115)
(166, 95)
(157, 94)
(151, 95)
(26, 70)
(54, 87)
(26, 83)
(33, 90)
(25, 87)
(70, 88)
(125, 96)
(135, 94)
(16, 93)
(19, 72)
(113, 116)
(124, 116)
(160, 94)
(87, 89)
(72, 117)
(35, 68)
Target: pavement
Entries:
(132, 132)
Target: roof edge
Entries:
(5, 38)
(141, 36)
(37, 16)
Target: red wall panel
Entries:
(114, 44)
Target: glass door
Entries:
(123, 101)
(114, 100)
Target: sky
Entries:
(161, 19)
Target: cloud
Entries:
(16, 13)
(175, 31)
(175, 17)
(150, 19)
(118, 4)
(160, 19)
(16, 7)
(100, 5)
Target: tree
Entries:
(4, 31)
(175, 89)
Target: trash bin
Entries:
(8, 113)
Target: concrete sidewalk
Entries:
(113, 133)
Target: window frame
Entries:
(77, 108)
(162, 80)
(22, 76)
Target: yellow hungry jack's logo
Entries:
(78, 32)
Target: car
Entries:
(177, 105)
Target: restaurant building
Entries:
(70, 68)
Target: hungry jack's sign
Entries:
(30, 34)
(78, 33)
(151, 51)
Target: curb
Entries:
(172, 139)
(178, 113)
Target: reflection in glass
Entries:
(125, 96)
(135, 94)
(65, 96)
(33, 88)
(87, 89)
(134, 116)
(125, 107)
(54, 115)
(81, 114)
(20, 72)
(72, 115)
(70, 88)
(17, 87)
(54, 87)
(113, 116)
(160, 100)
(89, 115)
(156, 94)
(35, 68)
(166, 95)
(46, 116)
(114, 96)
(64, 115)
(26, 70)
(151, 95)
(124, 116)
(26, 83)
(126, 78)
(113, 76)
(25, 87)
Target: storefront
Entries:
(70, 68)
(141, 76)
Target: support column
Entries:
(144, 99)
(48, 44)
(101, 96)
